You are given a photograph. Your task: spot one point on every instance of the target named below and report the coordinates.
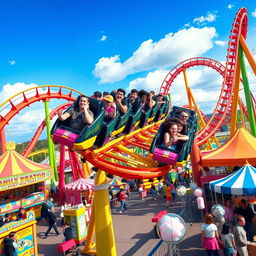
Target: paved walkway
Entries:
(134, 231)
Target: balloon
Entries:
(200, 203)
(181, 190)
(193, 185)
(218, 211)
(171, 228)
(198, 192)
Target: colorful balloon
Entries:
(200, 203)
(181, 190)
(193, 185)
(218, 211)
(198, 192)
(171, 228)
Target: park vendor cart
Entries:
(26, 235)
(22, 183)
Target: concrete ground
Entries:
(134, 231)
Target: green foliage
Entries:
(41, 144)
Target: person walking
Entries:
(52, 223)
(240, 237)
(210, 236)
(228, 240)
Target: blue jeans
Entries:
(228, 251)
(123, 206)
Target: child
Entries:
(228, 240)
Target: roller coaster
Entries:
(117, 156)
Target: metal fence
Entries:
(163, 248)
(132, 199)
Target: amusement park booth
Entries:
(80, 192)
(26, 235)
(237, 151)
(22, 182)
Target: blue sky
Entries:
(109, 44)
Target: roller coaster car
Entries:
(134, 117)
(144, 117)
(62, 133)
(161, 112)
(168, 156)
(106, 131)
(121, 122)
(153, 110)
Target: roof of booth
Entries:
(239, 148)
(13, 164)
(241, 182)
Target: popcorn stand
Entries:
(22, 183)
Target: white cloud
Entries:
(254, 13)
(103, 38)
(231, 6)
(170, 50)
(187, 25)
(9, 90)
(210, 17)
(152, 81)
(204, 82)
(12, 62)
(220, 43)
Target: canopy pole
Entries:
(247, 93)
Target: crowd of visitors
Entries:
(234, 232)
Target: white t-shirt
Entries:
(209, 230)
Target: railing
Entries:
(163, 248)
(132, 199)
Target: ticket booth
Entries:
(75, 216)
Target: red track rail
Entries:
(40, 129)
(224, 103)
(24, 99)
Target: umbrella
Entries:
(241, 182)
(81, 185)
(116, 182)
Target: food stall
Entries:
(80, 192)
(26, 235)
(22, 182)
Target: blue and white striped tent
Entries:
(241, 182)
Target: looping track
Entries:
(129, 156)
(15, 104)
(224, 103)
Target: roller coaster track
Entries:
(16, 103)
(118, 156)
(27, 151)
(224, 103)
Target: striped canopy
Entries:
(241, 147)
(241, 182)
(13, 164)
(81, 185)
(116, 182)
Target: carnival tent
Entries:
(17, 171)
(241, 182)
(80, 185)
(241, 147)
